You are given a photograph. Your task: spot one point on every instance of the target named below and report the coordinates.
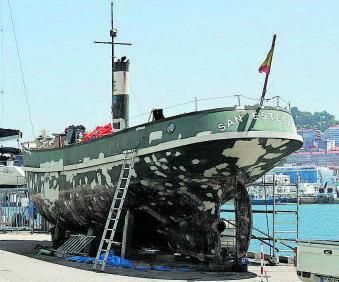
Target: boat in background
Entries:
(327, 194)
(308, 193)
(11, 171)
(261, 191)
(317, 185)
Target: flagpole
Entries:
(267, 74)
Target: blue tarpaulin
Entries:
(161, 268)
(113, 260)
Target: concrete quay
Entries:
(18, 262)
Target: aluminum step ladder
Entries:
(115, 210)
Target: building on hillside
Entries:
(309, 136)
(322, 158)
(326, 145)
(332, 133)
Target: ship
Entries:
(186, 167)
(261, 191)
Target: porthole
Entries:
(171, 128)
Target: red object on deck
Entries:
(98, 132)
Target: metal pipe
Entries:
(273, 220)
(298, 202)
(112, 34)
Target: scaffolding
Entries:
(282, 215)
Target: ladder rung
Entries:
(286, 222)
(285, 251)
(113, 243)
(285, 240)
(284, 204)
(286, 211)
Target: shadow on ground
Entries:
(28, 248)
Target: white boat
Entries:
(284, 190)
(308, 193)
(11, 172)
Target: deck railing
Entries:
(237, 101)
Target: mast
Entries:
(113, 33)
(266, 67)
(120, 89)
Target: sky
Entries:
(181, 50)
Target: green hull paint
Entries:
(186, 126)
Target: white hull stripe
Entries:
(170, 145)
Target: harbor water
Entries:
(316, 221)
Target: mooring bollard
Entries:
(261, 262)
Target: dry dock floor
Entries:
(18, 262)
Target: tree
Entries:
(320, 120)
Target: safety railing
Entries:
(14, 209)
(17, 212)
(196, 104)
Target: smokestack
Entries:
(120, 100)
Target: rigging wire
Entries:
(2, 62)
(21, 67)
(134, 96)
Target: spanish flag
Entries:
(266, 65)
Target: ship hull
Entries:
(178, 185)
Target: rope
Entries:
(134, 96)
(20, 65)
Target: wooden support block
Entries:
(90, 232)
(127, 234)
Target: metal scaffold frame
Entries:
(279, 243)
(273, 238)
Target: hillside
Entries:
(320, 120)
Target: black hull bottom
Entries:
(176, 194)
(174, 224)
